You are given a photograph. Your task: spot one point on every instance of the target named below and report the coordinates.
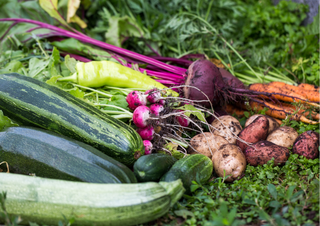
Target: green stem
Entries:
(94, 90)
(113, 106)
(225, 41)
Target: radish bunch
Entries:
(148, 112)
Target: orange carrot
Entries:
(231, 109)
(309, 87)
(290, 107)
(308, 94)
(280, 93)
(278, 112)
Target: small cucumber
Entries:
(195, 167)
(152, 167)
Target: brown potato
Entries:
(283, 136)
(273, 124)
(263, 151)
(228, 127)
(201, 143)
(307, 144)
(231, 159)
(256, 131)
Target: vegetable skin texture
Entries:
(280, 93)
(309, 87)
(206, 143)
(108, 73)
(190, 168)
(307, 145)
(229, 158)
(228, 127)
(231, 80)
(283, 136)
(136, 99)
(263, 151)
(310, 95)
(278, 112)
(204, 75)
(254, 132)
(141, 116)
(273, 124)
(46, 201)
(146, 133)
(152, 167)
(35, 103)
(30, 150)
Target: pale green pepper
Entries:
(108, 73)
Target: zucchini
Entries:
(36, 103)
(46, 201)
(47, 154)
(195, 167)
(152, 167)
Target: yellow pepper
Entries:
(108, 73)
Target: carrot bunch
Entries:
(283, 100)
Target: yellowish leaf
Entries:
(51, 7)
(76, 19)
(73, 6)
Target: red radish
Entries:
(153, 95)
(156, 109)
(147, 147)
(136, 99)
(140, 116)
(146, 133)
(182, 119)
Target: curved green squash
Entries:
(36, 103)
(47, 154)
(195, 167)
(48, 201)
(152, 167)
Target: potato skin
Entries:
(225, 125)
(273, 124)
(283, 136)
(256, 131)
(231, 159)
(202, 141)
(263, 151)
(307, 144)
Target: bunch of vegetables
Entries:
(178, 135)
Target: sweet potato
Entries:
(254, 132)
(228, 127)
(229, 158)
(206, 143)
(273, 124)
(307, 144)
(283, 136)
(263, 151)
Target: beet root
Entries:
(204, 75)
(230, 79)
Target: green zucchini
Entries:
(36, 103)
(47, 201)
(152, 167)
(195, 167)
(47, 154)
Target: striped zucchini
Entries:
(46, 201)
(30, 150)
(36, 103)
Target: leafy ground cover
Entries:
(268, 37)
